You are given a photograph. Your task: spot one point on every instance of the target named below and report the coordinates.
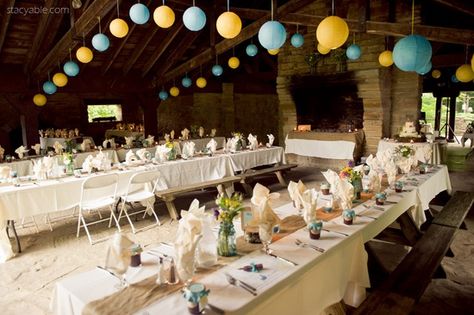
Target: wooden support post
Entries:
(452, 118)
(150, 118)
(29, 126)
(439, 99)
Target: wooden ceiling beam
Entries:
(5, 18)
(139, 48)
(159, 51)
(226, 44)
(83, 25)
(458, 5)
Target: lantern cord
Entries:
(70, 56)
(200, 70)
(59, 65)
(118, 9)
(100, 29)
(467, 53)
(163, 2)
(297, 28)
(217, 62)
(332, 7)
(194, 3)
(271, 7)
(38, 83)
(412, 16)
(49, 79)
(83, 39)
(228, 6)
(353, 38)
(233, 51)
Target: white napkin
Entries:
(58, 148)
(263, 214)
(201, 131)
(118, 254)
(295, 190)
(21, 150)
(387, 161)
(167, 137)
(143, 154)
(212, 146)
(404, 163)
(188, 150)
(271, 138)
(43, 167)
(150, 140)
(172, 134)
(5, 172)
(213, 132)
(37, 148)
(86, 145)
(188, 235)
(341, 189)
(161, 152)
(309, 199)
(185, 134)
(253, 143)
(129, 141)
(2, 152)
(130, 157)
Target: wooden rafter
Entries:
(459, 5)
(84, 24)
(139, 48)
(5, 20)
(161, 48)
(224, 45)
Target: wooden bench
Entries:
(406, 284)
(169, 195)
(277, 169)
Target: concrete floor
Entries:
(28, 280)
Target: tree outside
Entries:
(112, 111)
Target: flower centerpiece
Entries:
(404, 151)
(68, 160)
(238, 138)
(354, 177)
(171, 155)
(229, 208)
(405, 158)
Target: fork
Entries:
(303, 244)
(234, 281)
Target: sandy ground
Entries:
(27, 281)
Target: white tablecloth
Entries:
(422, 150)
(343, 150)
(245, 160)
(21, 167)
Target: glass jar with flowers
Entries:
(68, 159)
(171, 155)
(353, 177)
(229, 208)
(239, 141)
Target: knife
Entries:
(345, 234)
(283, 259)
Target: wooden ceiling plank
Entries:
(161, 48)
(226, 44)
(5, 17)
(83, 24)
(139, 48)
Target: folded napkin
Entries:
(185, 134)
(201, 131)
(404, 163)
(87, 164)
(172, 134)
(213, 132)
(341, 189)
(295, 190)
(58, 148)
(37, 148)
(86, 145)
(387, 161)
(129, 141)
(21, 150)
(44, 167)
(188, 149)
(150, 140)
(110, 142)
(212, 146)
(143, 154)
(167, 137)
(2, 152)
(253, 143)
(130, 157)
(188, 235)
(118, 254)
(271, 139)
(161, 152)
(5, 172)
(309, 199)
(263, 215)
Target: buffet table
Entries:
(318, 281)
(424, 151)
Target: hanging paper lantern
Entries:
(273, 52)
(174, 91)
(118, 28)
(71, 68)
(323, 50)
(59, 79)
(464, 73)
(39, 99)
(436, 74)
(353, 52)
(163, 95)
(217, 70)
(84, 54)
(412, 52)
(194, 18)
(228, 25)
(385, 58)
(163, 16)
(297, 40)
(201, 82)
(425, 69)
(332, 32)
(186, 82)
(100, 42)
(49, 87)
(454, 79)
(139, 13)
(472, 62)
(233, 62)
(272, 35)
(251, 50)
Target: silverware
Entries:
(283, 259)
(342, 233)
(109, 272)
(303, 244)
(365, 216)
(378, 208)
(235, 282)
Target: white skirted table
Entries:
(424, 151)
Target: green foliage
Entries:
(104, 111)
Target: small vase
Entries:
(70, 168)
(357, 183)
(171, 155)
(226, 242)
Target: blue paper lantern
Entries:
(163, 95)
(71, 68)
(49, 87)
(454, 79)
(217, 70)
(139, 13)
(425, 69)
(272, 35)
(251, 50)
(297, 40)
(412, 52)
(186, 82)
(100, 42)
(194, 18)
(353, 52)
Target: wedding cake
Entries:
(409, 133)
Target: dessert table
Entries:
(318, 281)
(424, 151)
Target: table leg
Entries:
(409, 228)
(171, 207)
(280, 178)
(12, 225)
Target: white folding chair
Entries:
(138, 191)
(98, 192)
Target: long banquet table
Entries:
(319, 280)
(40, 197)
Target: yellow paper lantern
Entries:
(163, 16)
(228, 25)
(323, 50)
(233, 62)
(84, 54)
(273, 51)
(385, 58)
(201, 82)
(39, 99)
(332, 32)
(436, 74)
(472, 62)
(464, 73)
(174, 91)
(118, 28)
(59, 79)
